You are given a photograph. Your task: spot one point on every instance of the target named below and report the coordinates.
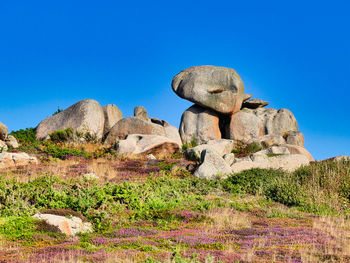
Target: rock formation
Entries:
(3, 131)
(16, 159)
(200, 124)
(85, 116)
(142, 124)
(147, 144)
(112, 115)
(217, 88)
(69, 226)
(141, 113)
(6, 140)
(223, 111)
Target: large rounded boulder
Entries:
(84, 116)
(200, 124)
(112, 116)
(132, 125)
(218, 88)
(248, 124)
(3, 131)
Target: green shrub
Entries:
(18, 228)
(65, 135)
(155, 199)
(252, 181)
(62, 153)
(286, 191)
(27, 140)
(25, 136)
(190, 144)
(242, 149)
(58, 111)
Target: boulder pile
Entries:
(222, 111)
(108, 125)
(221, 118)
(8, 159)
(6, 140)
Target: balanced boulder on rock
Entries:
(218, 88)
(85, 116)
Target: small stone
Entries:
(151, 157)
(254, 104)
(69, 226)
(247, 97)
(11, 142)
(141, 113)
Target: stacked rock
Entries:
(223, 111)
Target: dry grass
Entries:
(227, 219)
(337, 245)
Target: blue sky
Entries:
(294, 54)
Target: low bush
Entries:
(155, 199)
(320, 188)
(25, 136)
(190, 144)
(61, 152)
(242, 149)
(252, 181)
(65, 135)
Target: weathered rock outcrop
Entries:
(16, 159)
(213, 166)
(112, 115)
(220, 146)
(147, 144)
(200, 124)
(133, 125)
(84, 116)
(248, 123)
(3, 131)
(286, 162)
(141, 113)
(254, 104)
(69, 226)
(11, 142)
(218, 88)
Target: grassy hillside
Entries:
(155, 211)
